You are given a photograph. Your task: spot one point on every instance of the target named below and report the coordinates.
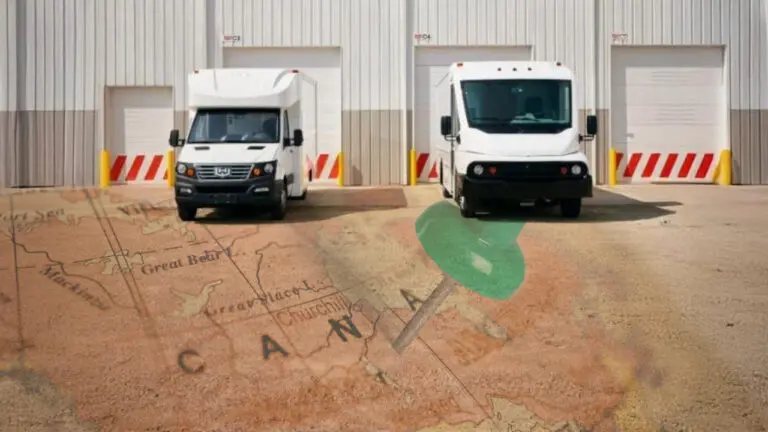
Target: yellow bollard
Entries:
(104, 169)
(412, 166)
(725, 167)
(171, 166)
(340, 178)
(612, 168)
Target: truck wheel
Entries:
(446, 194)
(570, 208)
(281, 206)
(465, 207)
(187, 214)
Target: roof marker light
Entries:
(295, 71)
(459, 64)
(529, 68)
(559, 64)
(514, 69)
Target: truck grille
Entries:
(223, 172)
(533, 170)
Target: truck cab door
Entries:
(449, 166)
(289, 158)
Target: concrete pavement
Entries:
(649, 312)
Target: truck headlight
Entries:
(269, 168)
(180, 168)
(478, 170)
(576, 170)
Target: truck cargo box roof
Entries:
(233, 88)
(491, 70)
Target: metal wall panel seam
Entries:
(414, 20)
(596, 89)
(403, 87)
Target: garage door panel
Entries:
(323, 65)
(139, 120)
(671, 77)
(432, 95)
(646, 64)
(660, 138)
(640, 95)
(432, 102)
(671, 117)
(668, 102)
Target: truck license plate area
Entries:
(222, 189)
(223, 198)
(530, 171)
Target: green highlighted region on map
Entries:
(482, 255)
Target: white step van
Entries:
(244, 144)
(513, 136)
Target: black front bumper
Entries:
(524, 189)
(264, 191)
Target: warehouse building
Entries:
(673, 82)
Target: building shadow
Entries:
(321, 204)
(604, 206)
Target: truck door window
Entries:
(286, 126)
(454, 113)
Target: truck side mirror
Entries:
(298, 137)
(174, 140)
(446, 126)
(592, 125)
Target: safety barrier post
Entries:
(104, 169)
(724, 177)
(171, 167)
(612, 168)
(412, 167)
(340, 178)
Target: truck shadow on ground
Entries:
(604, 206)
(321, 204)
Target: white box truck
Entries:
(512, 135)
(245, 144)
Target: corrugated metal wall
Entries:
(62, 54)
(57, 57)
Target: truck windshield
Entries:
(235, 126)
(518, 106)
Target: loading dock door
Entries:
(139, 120)
(322, 65)
(668, 113)
(432, 102)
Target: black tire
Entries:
(446, 194)
(570, 208)
(281, 206)
(466, 208)
(187, 214)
